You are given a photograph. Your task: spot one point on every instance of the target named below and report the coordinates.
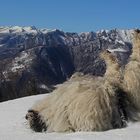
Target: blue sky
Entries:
(71, 15)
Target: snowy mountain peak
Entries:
(126, 35)
(24, 29)
(120, 36)
(18, 29)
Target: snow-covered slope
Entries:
(13, 125)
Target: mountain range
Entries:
(33, 61)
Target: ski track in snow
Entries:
(13, 125)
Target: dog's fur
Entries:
(131, 81)
(87, 103)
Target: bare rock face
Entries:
(33, 61)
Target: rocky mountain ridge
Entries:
(33, 61)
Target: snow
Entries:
(4, 30)
(117, 50)
(45, 31)
(119, 41)
(1, 45)
(84, 33)
(102, 30)
(121, 37)
(16, 67)
(43, 86)
(105, 38)
(24, 30)
(13, 125)
(30, 30)
(18, 29)
(24, 60)
(126, 35)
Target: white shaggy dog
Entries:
(132, 77)
(87, 103)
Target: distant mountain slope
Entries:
(33, 60)
(13, 125)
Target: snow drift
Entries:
(13, 125)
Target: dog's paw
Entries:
(35, 121)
